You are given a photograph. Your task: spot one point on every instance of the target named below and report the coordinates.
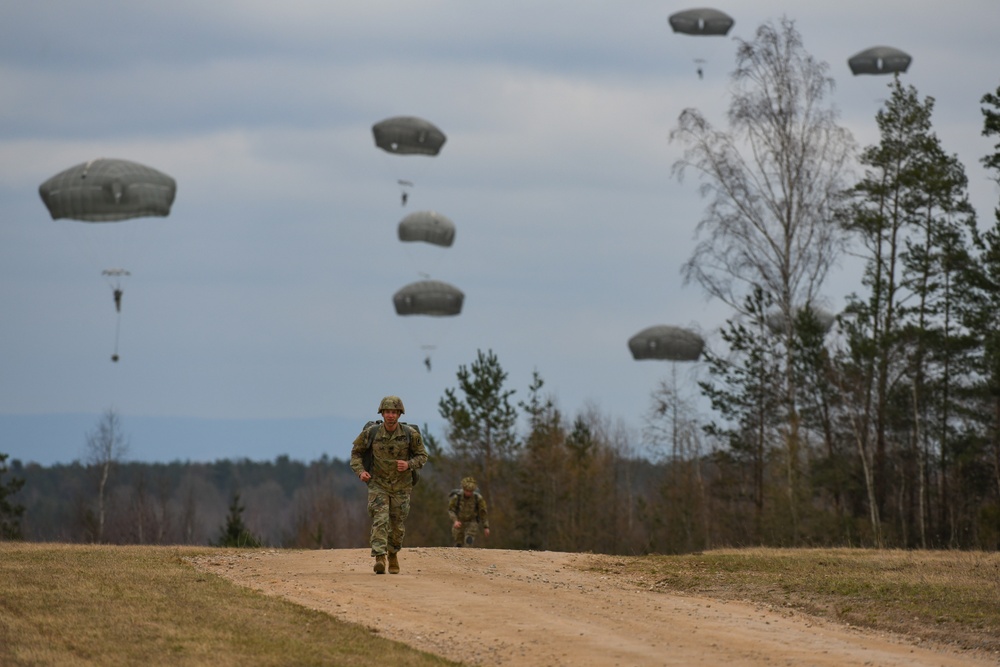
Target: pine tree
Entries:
(10, 513)
(539, 492)
(481, 424)
(745, 390)
(908, 346)
(235, 532)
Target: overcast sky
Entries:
(258, 319)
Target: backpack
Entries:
(457, 493)
(368, 456)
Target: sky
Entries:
(258, 321)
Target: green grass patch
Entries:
(113, 605)
(948, 597)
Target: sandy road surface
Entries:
(494, 607)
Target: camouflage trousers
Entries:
(388, 510)
(466, 535)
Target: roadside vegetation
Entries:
(945, 597)
(122, 605)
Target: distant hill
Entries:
(49, 439)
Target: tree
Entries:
(539, 491)
(909, 212)
(481, 425)
(832, 465)
(991, 128)
(106, 447)
(742, 389)
(774, 182)
(235, 533)
(983, 315)
(674, 434)
(935, 263)
(10, 513)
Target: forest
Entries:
(876, 426)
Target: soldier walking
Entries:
(385, 456)
(467, 510)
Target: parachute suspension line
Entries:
(114, 278)
(118, 326)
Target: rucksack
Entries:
(368, 456)
(476, 497)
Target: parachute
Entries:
(426, 235)
(704, 21)
(408, 135)
(105, 190)
(434, 299)
(428, 227)
(109, 190)
(666, 342)
(879, 60)
(428, 297)
(775, 320)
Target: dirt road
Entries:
(493, 607)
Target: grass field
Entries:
(948, 597)
(110, 605)
(121, 605)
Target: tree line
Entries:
(283, 503)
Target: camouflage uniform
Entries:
(464, 509)
(389, 489)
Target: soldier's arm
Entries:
(358, 448)
(417, 451)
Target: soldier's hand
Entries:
(486, 532)
(402, 465)
(364, 475)
(458, 524)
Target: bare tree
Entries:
(774, 181)
(106, 446)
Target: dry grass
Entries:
(947, 597)
(107, 605)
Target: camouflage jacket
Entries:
(465, 509)
(387, 448)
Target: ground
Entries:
(496, 607)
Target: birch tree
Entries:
(773, 181)
(106, 447)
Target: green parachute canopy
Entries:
(666, 342)
(428, 297)
(775, 320)
(703, 21)
(428, 227)
(108, 190)
(408, 135)
(879, 60)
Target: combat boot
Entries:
(380, 564)
(393, 564)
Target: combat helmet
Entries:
(469, 484)
(391, 403)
